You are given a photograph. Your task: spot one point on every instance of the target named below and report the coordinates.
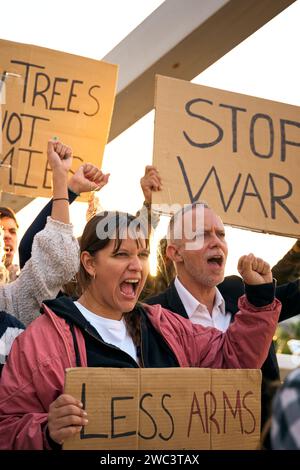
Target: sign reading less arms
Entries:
(46, 93)
(238, 153)
(186, 408)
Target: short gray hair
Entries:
(178, 217)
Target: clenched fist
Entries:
(59, 156)
(151, 181)
(254, 270)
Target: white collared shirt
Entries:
(199, 314)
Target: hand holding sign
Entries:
(254, 270)
(65, 418)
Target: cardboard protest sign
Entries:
(238, 153)
(45, 94)
(184, 408)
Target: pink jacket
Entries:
(34, 374)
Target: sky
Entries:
(264, 65)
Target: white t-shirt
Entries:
(111, 331)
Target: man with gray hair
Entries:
(199, 291)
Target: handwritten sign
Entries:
(166, 408)
(45, 94)
(238, 153)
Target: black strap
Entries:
(77, 355)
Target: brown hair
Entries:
(165, 274)
(9, 213)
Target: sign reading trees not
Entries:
(173, 408)
(238, 153)
(46, 94)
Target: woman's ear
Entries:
(88, 262)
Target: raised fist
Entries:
(254, 270)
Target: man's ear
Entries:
(88, 262)
(173, 253)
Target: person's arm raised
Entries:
(55, 251)
(60, 161)
(150, 182)
(246, 343)
(86, 178)
(258, 279)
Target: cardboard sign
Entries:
(238, 153)
(186, 408)
(45, 94)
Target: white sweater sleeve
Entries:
(54, 261)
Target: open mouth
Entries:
(216, 260)
(129, 288)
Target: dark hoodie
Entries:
(153, 352)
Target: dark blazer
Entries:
(231, 289)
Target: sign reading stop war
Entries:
(45, 94)
(186, 408)
(238, 153)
